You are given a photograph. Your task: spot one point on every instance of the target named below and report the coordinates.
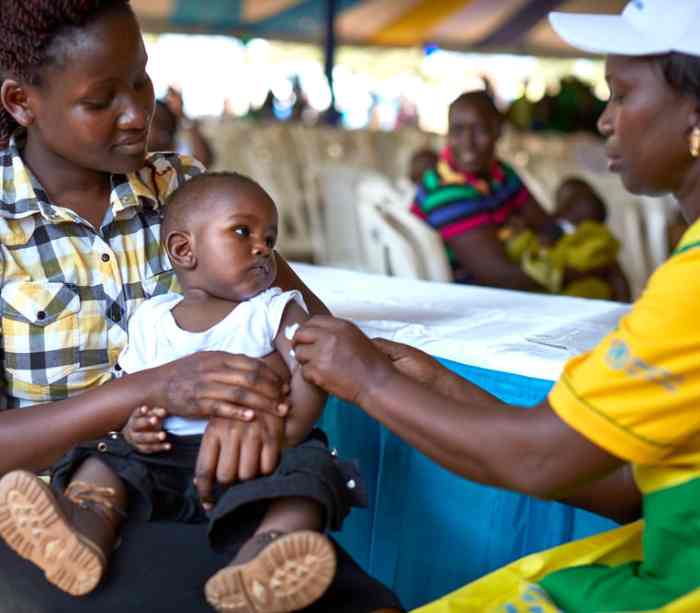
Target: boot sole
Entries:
(34, 525)
(289, 574)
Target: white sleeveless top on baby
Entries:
(155, 338)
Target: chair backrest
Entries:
(429, 259)
(427, 242)
(387, 251)
(337, 188)
(657, 214)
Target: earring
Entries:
(694, 141)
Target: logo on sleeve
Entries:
(619, 357)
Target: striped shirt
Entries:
(454, 202)
(69, 288)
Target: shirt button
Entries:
(105, 257)
(102, 447)
(41, 315)
(115, 312)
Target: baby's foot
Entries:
(274, 572)
(68, 542)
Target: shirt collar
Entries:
(448, 170)
(21, 194)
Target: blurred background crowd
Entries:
(327, 102)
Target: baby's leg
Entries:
(285, 566)
(290, 514)
(69, 535)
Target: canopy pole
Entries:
(331, 116)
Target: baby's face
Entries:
(579, 207)
(234, 243)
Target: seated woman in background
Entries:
(470, 194)
(578, 255)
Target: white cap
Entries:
(646, 27)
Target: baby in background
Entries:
(577, 256)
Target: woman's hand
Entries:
(144, 430)
(412, 362)
(339, 358)
(219, 384)
(232, 451)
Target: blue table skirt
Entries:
(426, 531)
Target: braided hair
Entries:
(28, 31)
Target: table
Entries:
(427, 531)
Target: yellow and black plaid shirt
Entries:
(68, 288)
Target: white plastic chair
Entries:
(387, 251)
(426, 241)
(337, 188)
(625, 222)
(657, 214)
(426, 244)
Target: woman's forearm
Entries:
(615, 496)
(36, 437)
(485, 440)
(461, 390)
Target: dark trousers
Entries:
(161, 485)
(161, 567)
(164, 559)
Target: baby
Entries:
(219, 231)
(578, 255)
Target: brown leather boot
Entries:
(69, 536)
(274, 572)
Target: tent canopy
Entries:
(518, 26)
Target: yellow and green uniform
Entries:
(637, 395)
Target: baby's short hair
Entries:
(600, 211)
(181, 204)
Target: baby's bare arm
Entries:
(306, 399)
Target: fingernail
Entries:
(161, 436)
(167, 446)
(248, 414)
(154, 421)
(283, 408)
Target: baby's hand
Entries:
(144, 430)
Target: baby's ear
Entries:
(16, 102)
(180, 249)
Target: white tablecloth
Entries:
(516, 332)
